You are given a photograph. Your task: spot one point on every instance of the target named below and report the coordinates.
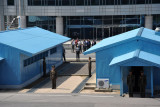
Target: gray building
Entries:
(85, 19)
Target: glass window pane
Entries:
(94, 2)
(125, 2)
(51, 2)
(37, 2)
(66, 2)
(155, 1)
(10, 2)
(140, 1)
(79, 2)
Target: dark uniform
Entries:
(130, 83)
(77, 53)
(64, 54)
(89, 66)
(44, 67)
(53, 77)
(142, 84)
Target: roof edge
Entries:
(140, 31)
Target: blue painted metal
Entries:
(31, 40)
(1, 58)
(141, 56)
(112, 41)
(152, 82)
(139, 47)
(18, 45)
(137, 34)
(121, 84)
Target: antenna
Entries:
(18, 17)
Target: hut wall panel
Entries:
(36, 68)
(9, 68)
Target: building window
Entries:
(35, 58)
(53, 50)
(10, 2)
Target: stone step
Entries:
(92, 87)
(91, 84)
(103, 90)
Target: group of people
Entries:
(79, 46)
(142, 82)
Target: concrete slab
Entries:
(75, 69)
(92, 80)
(65, 84)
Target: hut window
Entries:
(53, 50)
(35, 58)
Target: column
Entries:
(2, 23)
(152, 90)
(59, 25)
(149, 22)
(23, 21)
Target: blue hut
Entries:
(137, 49)
(21, 54)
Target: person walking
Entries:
(77, 53)
(130, 83)
(142, 84)
(84, 45)
(73, 44)
(89, 66)
(53, 77)
(79, 45)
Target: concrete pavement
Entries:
(73, 100)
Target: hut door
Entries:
(136, 72)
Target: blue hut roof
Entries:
(1, 59)
(140, 33)
(31, 40)
(142, 56)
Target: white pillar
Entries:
(2, 23)
(8, 20)
(59, 25)
(149, 22)
(23, 21)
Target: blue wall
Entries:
(9, 67)
(104, 57)
(12, 70)
(36, 68)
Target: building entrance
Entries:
(136, 71)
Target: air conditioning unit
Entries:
(102, 83)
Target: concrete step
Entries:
(92, 87)
(103, 90)
(91, 84)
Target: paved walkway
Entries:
(75, 69)
(73, 79)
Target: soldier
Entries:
(142, 84)
(64, 54)
(44, 67)
(89, 66)
(53, 77)
(130, 83)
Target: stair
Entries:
(89, 86)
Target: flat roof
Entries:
(31, 40)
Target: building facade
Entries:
(85, 19)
